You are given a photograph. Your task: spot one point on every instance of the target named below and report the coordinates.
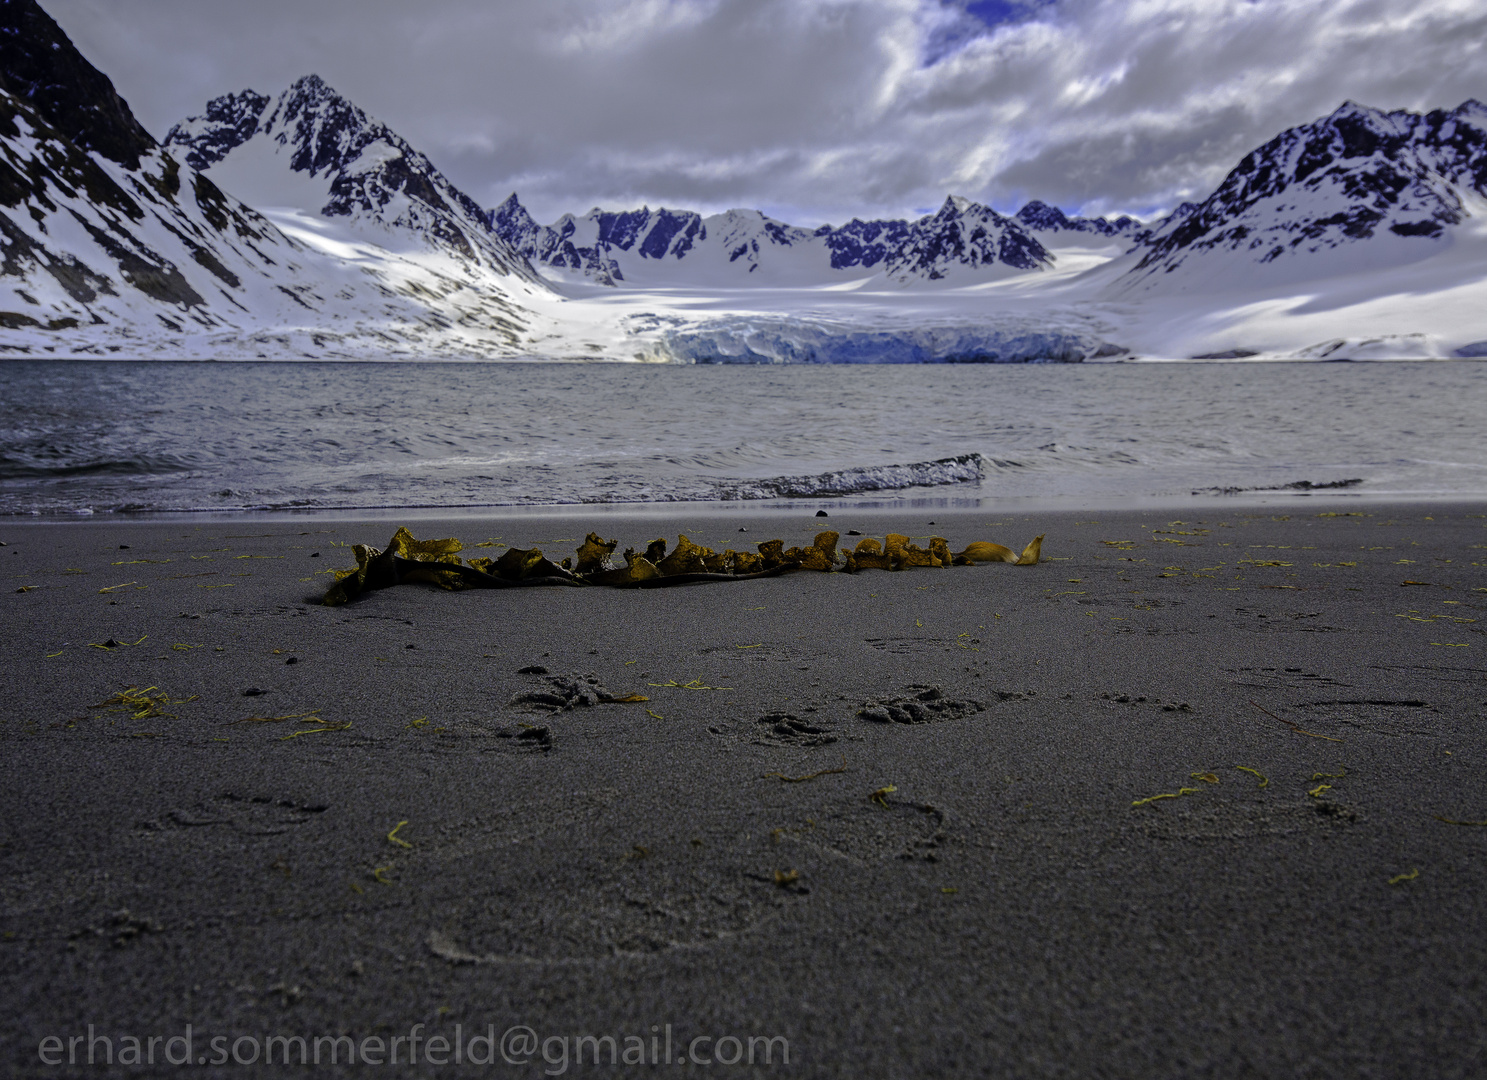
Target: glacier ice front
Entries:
(793, 341)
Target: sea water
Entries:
(109, 437)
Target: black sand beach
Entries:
(999, 890)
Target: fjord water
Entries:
(81, 437)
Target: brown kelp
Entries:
(437, 562)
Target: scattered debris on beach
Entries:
(437, 562)
(143, 702)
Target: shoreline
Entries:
(1037, 879)
(913, 505)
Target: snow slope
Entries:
(111, 245)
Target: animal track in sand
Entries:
(1282, 622)
(566, 906)
(866, 831)
(563, 692)
(1270, 678)
(1472, 676)
(905, 646)
(1117, 698)
(924, 705)
(1377, 716)
(1240, 819)
(787, 729)
(251, 815)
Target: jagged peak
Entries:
(1375, 120)
(1470, 109)
(1353, 108)
(1040, 215)
(312, 84)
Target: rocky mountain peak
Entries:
(1349, 176)
(229, 121)
(370, 172)
(1039, 215)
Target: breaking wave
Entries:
(963, 469)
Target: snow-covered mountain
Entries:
(1358, 189)
(314, 150)
(102, 228)
(1039, 217)
(111, 244)
(960, 243)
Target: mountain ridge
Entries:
(960, 238)
(1359, 174)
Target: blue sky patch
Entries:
(972, 19)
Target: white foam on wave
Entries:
(962, 469)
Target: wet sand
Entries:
(435, 837)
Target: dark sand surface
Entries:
(1005, 911)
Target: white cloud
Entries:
(822, 108)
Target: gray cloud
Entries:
(814, 109)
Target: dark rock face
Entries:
(654, 235)
(967, 234)
(369, 166)
(550, 246)
(40, 66)
(865, 243)
(230, 121)
(1351, 176)
(70, 118)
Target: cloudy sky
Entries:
(813, 110)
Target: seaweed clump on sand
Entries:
(438, 562)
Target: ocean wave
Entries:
(39, 468)
(963, 469)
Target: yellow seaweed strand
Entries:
(1264, 781)
(1401, 878)
(695, 684)
(316, 731)
(393, 837)
(1177, 795)
(311, 715)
